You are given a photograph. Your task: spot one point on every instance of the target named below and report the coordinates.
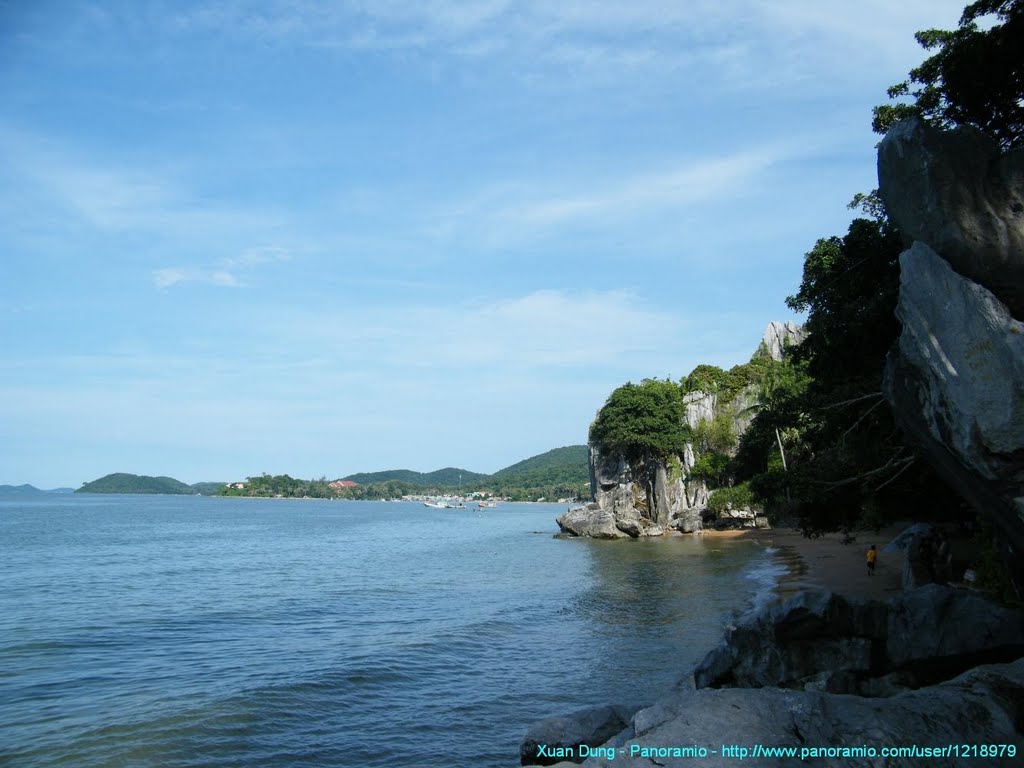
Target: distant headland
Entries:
(561, 473)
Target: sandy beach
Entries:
(826, 562)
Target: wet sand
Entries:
(826, 562)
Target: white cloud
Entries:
(172, 276)
(113, 197)
(513, 212)
(226, 272)
(743, 44)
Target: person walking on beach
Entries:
(872, 556)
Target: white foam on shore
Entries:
(765, 573)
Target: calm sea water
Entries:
(188, 631)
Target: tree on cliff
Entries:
(975, 77)
(641, 420)
(847, 462)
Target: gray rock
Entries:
(983, 706)
(563, 735)
(649, 495)
(688, 520)
(939, 626)
(595, 523)
(833, 643)
(970, 355)
(791, 644)
(954, 191)
(956, 384)
(902, 542)
(780, 337)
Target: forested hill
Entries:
(561, 465)
(565, 465)
(449, 476)
(29, 490)
(122, 482)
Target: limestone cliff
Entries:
(955, 378)
(650, 496)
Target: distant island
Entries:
(122, 482)
(561, 473)
(30, 490)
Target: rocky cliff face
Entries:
(649, 497)
(955, 378)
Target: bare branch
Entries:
(858, 421)
(871, 396)
(891, 463)
(903, 469)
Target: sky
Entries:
(326, 238)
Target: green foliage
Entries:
(728, 384)
(121, 482)
(732, 497)
(559, 473)
(641, 420)
(207, 489)
(285, 486)
(447, 477)
(974, 77)
(712, 467)
(713, 445)
(561, 466)
(705, 378)
(674, 468)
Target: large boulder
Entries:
(956, 192)
(820, 640)
(955, 380)
(937, 627)
(590, 521)
(793, 643)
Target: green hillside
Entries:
(207, 489)
(565, 466)
(121, 482)
(561, 465)
(440, 478)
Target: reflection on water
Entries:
(650, 600)
(193, 632)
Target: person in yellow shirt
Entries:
(872, 556)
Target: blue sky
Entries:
(324, 238)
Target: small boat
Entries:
(435, 504)
(487, 504)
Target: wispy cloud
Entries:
(171, 276)
(227, 272)
(728, 42)
(518, 211)
(112, 196)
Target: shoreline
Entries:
(826, 562)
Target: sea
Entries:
(194, 631)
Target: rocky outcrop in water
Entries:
(650, 496)
(955, 378)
